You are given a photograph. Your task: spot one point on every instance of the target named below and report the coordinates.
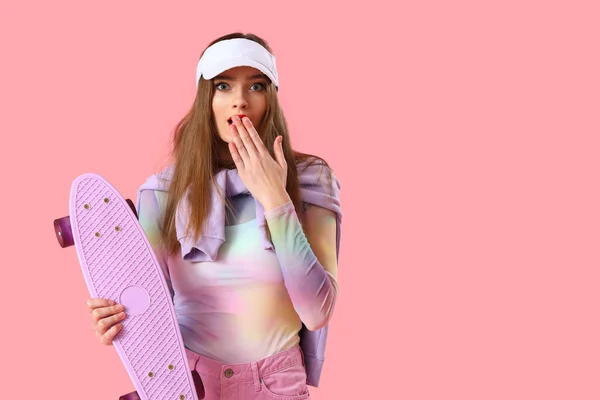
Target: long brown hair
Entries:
(196, 158)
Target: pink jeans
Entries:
(281, 376)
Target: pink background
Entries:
(465, 136)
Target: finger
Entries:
(106, 323)
(235, 155)
(255, 137)
(103, 312)
(95, 303)
(245, 137)
(108, 337)
(239, 145)
(278, 150)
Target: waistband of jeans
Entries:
(215, 369)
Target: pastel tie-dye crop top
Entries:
(249, 303)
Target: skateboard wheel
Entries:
(132, 206)
(130, 396)
(62, 229)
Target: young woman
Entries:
(247, 232)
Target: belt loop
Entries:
(192, 358)
(256, 377)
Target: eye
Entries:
(257, 87)
(221, 86)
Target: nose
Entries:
(239, 99)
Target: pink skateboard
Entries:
(118, 264)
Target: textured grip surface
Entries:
(115, 255)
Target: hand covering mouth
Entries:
(230, 121)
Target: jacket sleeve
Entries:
(308, 261)
(149, 216)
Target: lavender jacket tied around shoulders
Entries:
(318, 186)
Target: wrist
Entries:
(276, 200)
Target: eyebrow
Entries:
(231, 78)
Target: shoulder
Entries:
(314, 171)
(159, 181)
(320, 189)
(152, 193)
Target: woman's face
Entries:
(241, 91)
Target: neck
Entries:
(224, 158)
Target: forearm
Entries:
(311, 287)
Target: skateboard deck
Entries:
(119, 264)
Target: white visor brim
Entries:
(232, 53)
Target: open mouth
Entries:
(230, 121)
